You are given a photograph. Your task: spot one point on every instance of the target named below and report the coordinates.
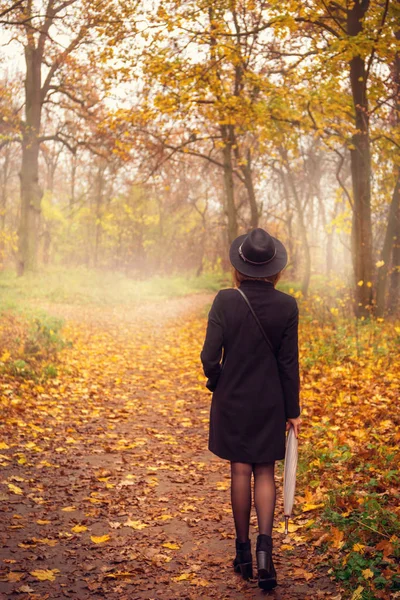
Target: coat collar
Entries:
(256, 283)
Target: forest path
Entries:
(108, 488)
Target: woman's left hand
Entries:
(295, 423)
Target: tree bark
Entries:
(305, 282)
(360, 171)
(229, 186)
(392, 231)
(394, 296)
(31, 193)
(251, 195)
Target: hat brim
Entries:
(278, 263)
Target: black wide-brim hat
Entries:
(258, 254)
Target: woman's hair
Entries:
(239, 277)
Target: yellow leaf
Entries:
(183, 577)
(358, 593)
(306, 507)
(68, 508)
(79, 528)
(14, 488)
(45, 574)
(380, 263)
(360, 283)
(359, 548)
(222, 485)
(292, 527)
(4, 446)
(171, 545)
(43, 522)
(303, 574)
(367, 573)
(135, 524)
(100, 539)
(46, 541)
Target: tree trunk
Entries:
(3, 204)
(251, 195)
(31, 193)
(360, 171)
(394, 297)
(301, 220)
(305, 282)
(229, 187)
(391, 233)
(246, 169)
(98, 215)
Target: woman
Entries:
(255, 388)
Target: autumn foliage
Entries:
(107, 484)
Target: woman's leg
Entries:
(264, 496)
(241, 498)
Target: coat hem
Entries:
(238, 459)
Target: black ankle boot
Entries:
(265, 566)
(243, 562)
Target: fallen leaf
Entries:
(200, 582)
(386, 546)
(337, 537)
(183, 577)
(15, 489)
(25, 589)
(171, 545)
(14, 576)
(135, 524)
(222, 485)
(307, 507)
(45, 574)
(100, 539)
(292, 527)
(79, 528)
(367, 573)
(358, 593)
(303, 574)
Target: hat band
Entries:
(264, 262)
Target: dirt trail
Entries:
(108, 489)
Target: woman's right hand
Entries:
(295, 423)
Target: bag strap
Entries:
(257, 320)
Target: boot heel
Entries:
(246, 570)
(266, 574)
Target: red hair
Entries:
(239, 277)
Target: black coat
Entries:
(255, 391)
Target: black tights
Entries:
(264, 497)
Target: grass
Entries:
(84, 286)
(89, 286)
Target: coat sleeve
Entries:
(288, 363)
(212, 349)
